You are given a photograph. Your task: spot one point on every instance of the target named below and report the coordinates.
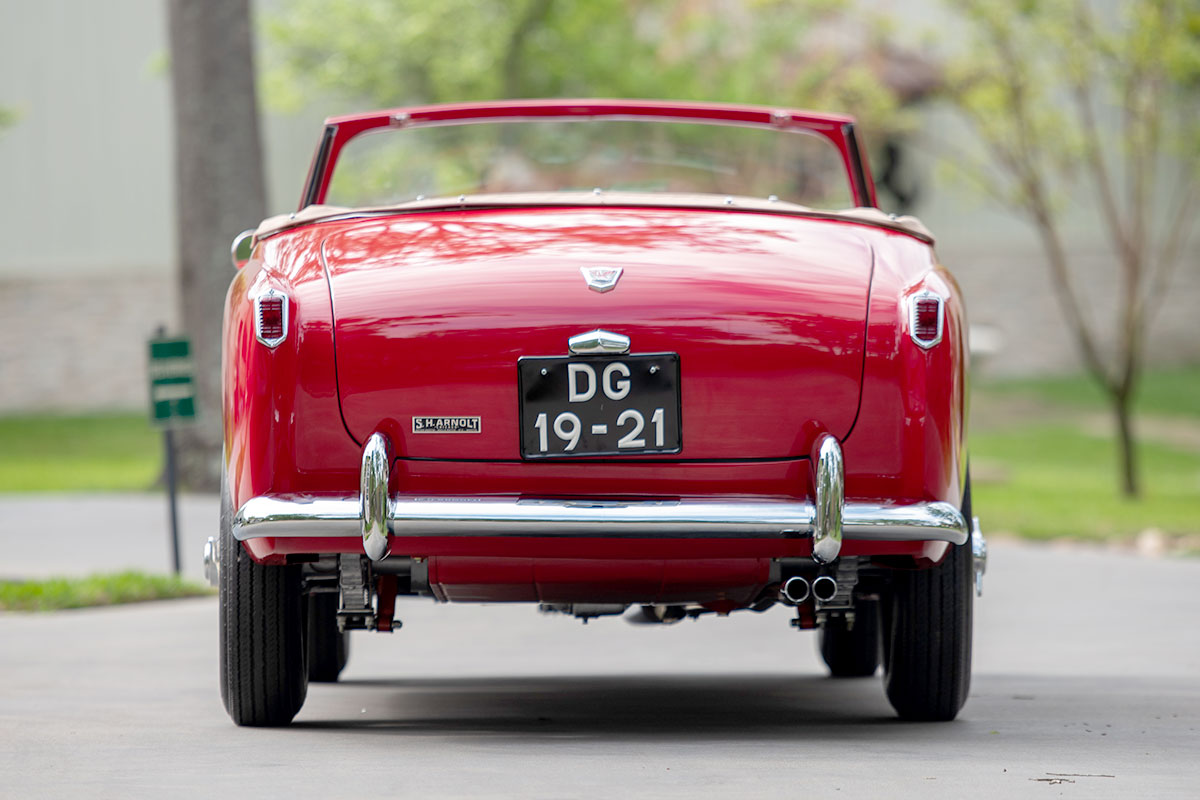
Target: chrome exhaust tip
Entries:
(824, 588)
(795, 590)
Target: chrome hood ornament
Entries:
(601, 279)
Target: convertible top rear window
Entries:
(392, 165)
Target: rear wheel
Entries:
(927, 627)
(264, 677)
(328, 648)
(852, 652)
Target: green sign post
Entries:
(172, 389)
(172, 402)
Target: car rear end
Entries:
(597, 402)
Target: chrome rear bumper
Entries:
(375, 515)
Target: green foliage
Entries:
(55, 594)
(1042, 456)
(112, 452)
(1073, 98)
(1043, 88)
(1166, 391)
(8, 117)
(384, 53)
(1054, 480)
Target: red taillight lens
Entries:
(270, 317)
(926, 323)
(926, 319)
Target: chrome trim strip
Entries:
(639, 519)
(829, 489)
(307, 516)
(598, 342)
(373, 492)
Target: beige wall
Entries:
(85, 175)
(86, 199)
(87, 170)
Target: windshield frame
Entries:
(838, 129)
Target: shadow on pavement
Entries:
(599, 707)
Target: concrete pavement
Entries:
(52, 534)
(1086, 685)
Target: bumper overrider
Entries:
(376, 515)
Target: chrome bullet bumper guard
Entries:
(375, 515)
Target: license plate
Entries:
(599, 405)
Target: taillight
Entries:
(271, 317)
(926, 318)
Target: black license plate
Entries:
(599, 405)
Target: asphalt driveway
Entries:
(1087, 685)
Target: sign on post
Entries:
(172, 401)
(172, 387)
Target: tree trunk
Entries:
(219, 191)
(1126, 452)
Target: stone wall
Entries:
(75, 344)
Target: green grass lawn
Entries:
(1044, 462)
(108, 452)
(95, 590)
(1050, 480)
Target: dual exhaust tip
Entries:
(796, 590)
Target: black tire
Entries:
(927, 622)
(852, 653)
(328, 649)
(264, 677)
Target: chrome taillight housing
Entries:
(271, 317)
(926, 317)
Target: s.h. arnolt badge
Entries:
(446, 425)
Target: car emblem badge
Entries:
(601, 279)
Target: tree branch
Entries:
(1035, 196)
(1178, 233)
(1093, 152)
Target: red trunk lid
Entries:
(766, 312)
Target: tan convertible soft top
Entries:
(322, 213)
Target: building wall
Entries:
(87, 218)
(999, 261)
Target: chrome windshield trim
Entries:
(307, 516)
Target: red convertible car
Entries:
(607, 357)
